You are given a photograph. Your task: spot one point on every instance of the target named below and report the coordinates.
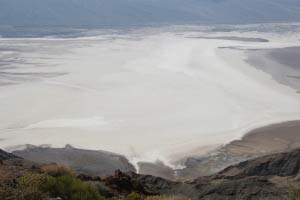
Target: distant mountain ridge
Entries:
(97, 13)
(97, 163)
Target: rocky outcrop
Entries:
(268, 177)
(253, 188)
(96, 163)
(125, 183)
(282, 164)
(6, 156)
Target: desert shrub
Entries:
(31, 180)
(42, 187)
(26, 187)
(294, 194)
(56, 170)
(70, 188)
(134, 196)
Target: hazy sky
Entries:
(142, 12)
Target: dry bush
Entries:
(294, 193)
(134, 196)
(28, 187)
(56, 170)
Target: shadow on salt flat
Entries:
(232, 38)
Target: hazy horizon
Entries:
(112, 13)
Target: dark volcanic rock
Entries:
(268, 177)
(6, 156)
(282, 164)
(147, 185)
(124, 183)
(96, 163)
(247, 188)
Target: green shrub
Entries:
(70, 188)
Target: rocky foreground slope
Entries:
(268, 140)
(268, 177)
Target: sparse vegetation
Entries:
(35, 186)
(70, 188)
(27, 187)
(294, 193)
